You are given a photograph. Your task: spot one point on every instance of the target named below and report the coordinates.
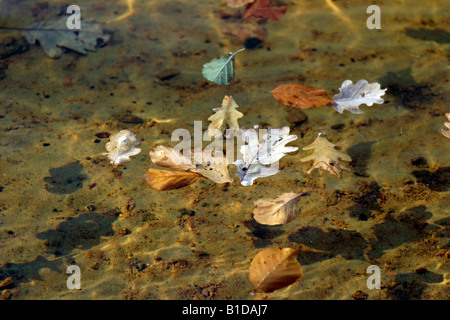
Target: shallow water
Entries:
(62, 202)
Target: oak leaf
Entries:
(272, 269)
(226, 115)
(279, 210)
(351, 96)
(263, 9)
(326, 157)
(301, 96)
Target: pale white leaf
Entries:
(122, 146)
(259, 158)
(351, 96)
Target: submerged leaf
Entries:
(243, 31)
(301, 96)
(446, 133)
(238, 3)
(227, 115)
(263, 9)
(326, 157)
(279, 210)
(169, 180)
(273, 269)
(55, 35)
(220, 70)
(351, 96)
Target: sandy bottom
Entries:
(62, 203)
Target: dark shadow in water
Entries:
(437, 35)
(360, 154)
(438, 180)
(81, 232)
(329, 243)
(28, 271)
(367, 201)
(262, 235)
(402, 86)
(397, 229)
(66, 179)
(410, 286)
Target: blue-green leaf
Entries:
(220, 70)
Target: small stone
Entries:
(124, 231)
(167, 74)
(360, 295)
(421, 270)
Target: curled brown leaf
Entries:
(279, 210)
(168, 180)
(273, 269)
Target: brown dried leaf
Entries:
(279, 210)
(243, 31)
(238, 3)
(169, 180)
(273, 269)
(262, 9)
(301, 96)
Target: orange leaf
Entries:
(262, 9)
(301, 96)
(273, 269)
(169, 180)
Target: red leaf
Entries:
(262, 9)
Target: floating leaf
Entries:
(351, 96)
(169, 158)
(169, 180)
(244, 31)
(301, 96)
(227, 115)
(263, 9)
(446, 133)
(55, 35)
(257, 155)
(279, 210)
(326, 157)
(215, 170)
(273, 269)
(213, 167)
(237, 3)
(220, 70)
(122, 146)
